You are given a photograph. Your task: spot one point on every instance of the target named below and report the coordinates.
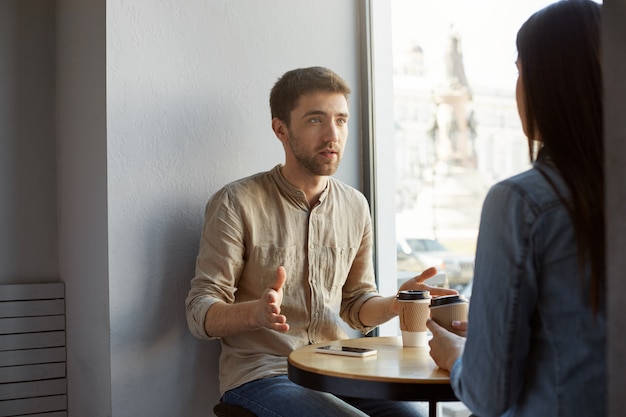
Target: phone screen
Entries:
(346, 350)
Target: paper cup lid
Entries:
(413, 295)
(447, 299)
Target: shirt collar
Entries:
(293, 192)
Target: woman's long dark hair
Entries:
(559, 52)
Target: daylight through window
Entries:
(456, 126)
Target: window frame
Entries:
(377, 123)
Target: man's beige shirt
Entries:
(253, 226)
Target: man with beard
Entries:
(285, 255)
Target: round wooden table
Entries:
(394, 373)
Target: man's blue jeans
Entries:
(279, 397)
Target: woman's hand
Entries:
(460, 327)
(445, 347)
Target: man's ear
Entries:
(280, 129)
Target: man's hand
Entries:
(267, 311)
(445, 346)
(417, 283)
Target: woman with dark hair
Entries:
(536, 333)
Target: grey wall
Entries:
(614, 37)
(28, 227)
(82, 203)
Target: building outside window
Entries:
(456, 127)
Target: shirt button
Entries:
(317, 314)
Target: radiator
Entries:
(32, 350)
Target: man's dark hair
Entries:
(298, 82)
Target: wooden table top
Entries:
(395, 372)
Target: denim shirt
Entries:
(534, 347)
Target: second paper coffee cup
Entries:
(448, 308)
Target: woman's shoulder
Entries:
(541, 182)
(534, 191)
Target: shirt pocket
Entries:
(264, 262)
(334, 267)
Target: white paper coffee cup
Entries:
(413, 311)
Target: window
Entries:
(445, 118)
(376, 20)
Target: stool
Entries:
(231, 410)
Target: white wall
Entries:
(160, 104)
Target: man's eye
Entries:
(315, 120)
(342, 121)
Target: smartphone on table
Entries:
(346, 350)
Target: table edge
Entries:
(366, 388)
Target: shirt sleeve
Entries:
(219, 261)
(504, 294)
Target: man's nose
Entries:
(332, 134)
